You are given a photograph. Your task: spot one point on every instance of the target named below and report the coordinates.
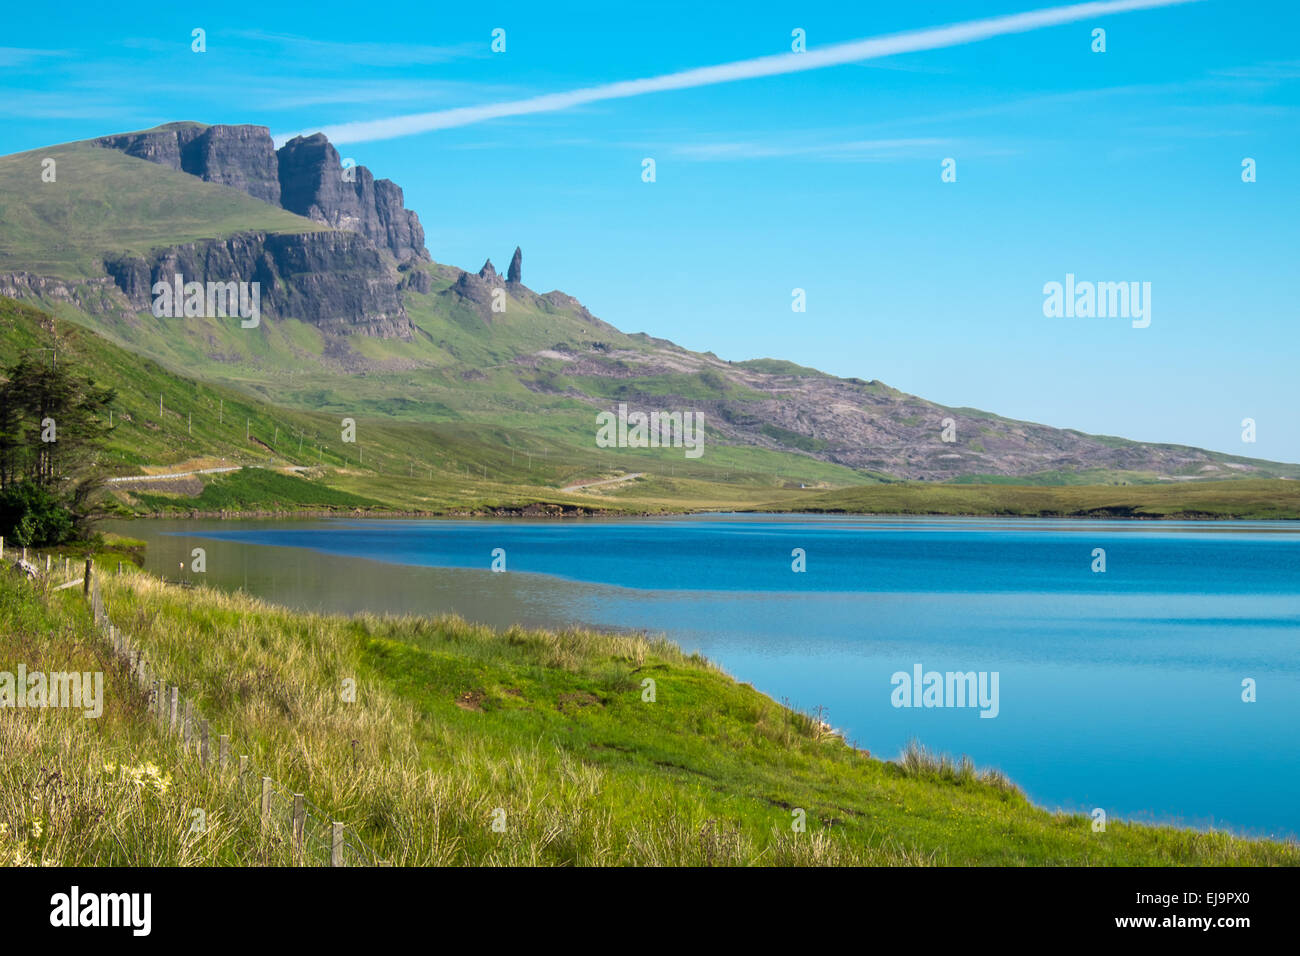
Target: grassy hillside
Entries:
(1259, 499)
(105, 202)
(457, 465)
(394, 464)
(540, 369)
(455, 726)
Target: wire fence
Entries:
(286, 819)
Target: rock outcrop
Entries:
(415, 279)
(313, 183)
(164, 145)
(94, 296)
(305, 176)
(337, 281)
(239, 156)
(515, 274)
(476, 290)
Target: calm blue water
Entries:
(1119, 690)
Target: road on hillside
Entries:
(608, 481)
(201, 471)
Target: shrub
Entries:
(32, 516)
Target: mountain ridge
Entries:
(429, 341)
(304, 176)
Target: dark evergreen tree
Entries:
(52, 425)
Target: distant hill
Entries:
(360, 320)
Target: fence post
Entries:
(85, 587)
(203, 742)
(187, 726)
(223, 750)
(336, 844)
(2, 546)
(299, 825)
(266, 801)
(171, 724)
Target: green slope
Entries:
(104, 202)
(396, 463)
(453, 726)
(483, 389)
(1259, 499)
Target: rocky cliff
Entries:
(305, 176)
(239, 156)
(313, 183)
(338, 281)
(342, 282)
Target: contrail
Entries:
(852, 52)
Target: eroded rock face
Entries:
(305, 176)
(313, 184)
(417, 280)
(97, 296)
(239, 156)
(403, 233)
(164, 145)
(476, 290)
(515, 274)
(338, 281)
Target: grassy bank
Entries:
(1244, 498)
(456, 726)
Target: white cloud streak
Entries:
(853, 150)
(852, 52)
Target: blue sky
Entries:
(1115, 166)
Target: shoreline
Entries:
(577, 511)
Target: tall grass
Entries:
(472, 746)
